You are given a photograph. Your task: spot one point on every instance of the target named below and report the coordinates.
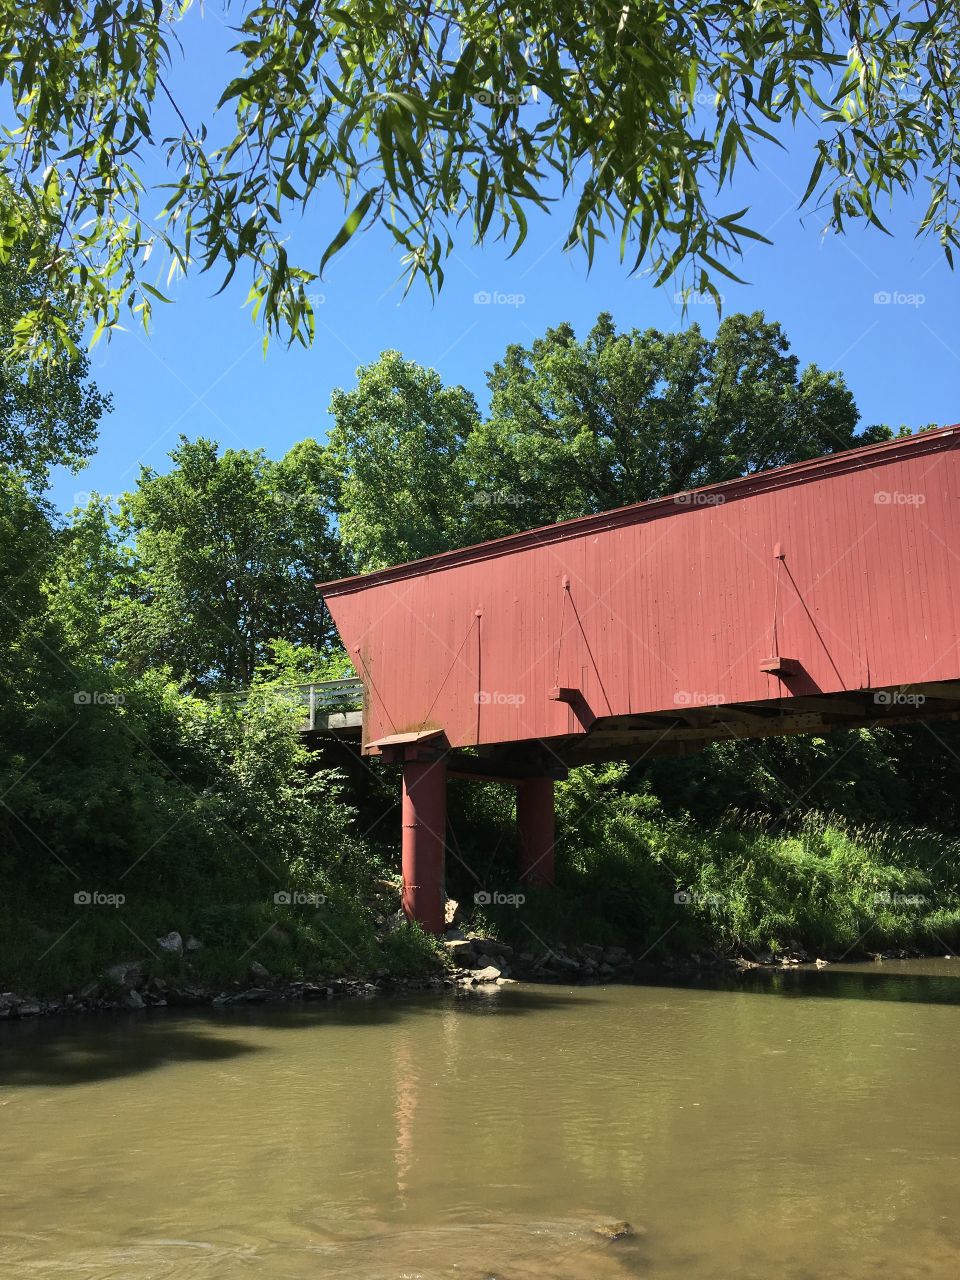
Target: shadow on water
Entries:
(879, 982)
(61, 1051)
(45, 1054)
(68, 1051)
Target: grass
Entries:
(828, 886)
(627, 875)
(663, 886)
(65, 954)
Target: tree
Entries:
(225, 552)
(45, 421)
(82, 582)
(396, 448)
(435, 115)
(577, 427)
(574, 427)
(27, 550)
(194, 810)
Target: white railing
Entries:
(328, 697)
(326, 703)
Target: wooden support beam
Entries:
(776, 666)
(561, 693)
(941, 689)
(655, 721)
(830, 703)
(500, 768)
(745, 711)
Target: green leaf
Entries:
(349, 227)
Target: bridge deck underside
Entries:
(684, 731)
(690, 728)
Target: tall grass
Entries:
(825, 886)
(747, 883)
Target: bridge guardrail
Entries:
(319, 699)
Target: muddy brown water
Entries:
(797, 1127)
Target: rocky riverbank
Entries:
(468, 960)
(476, 960)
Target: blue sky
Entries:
(201, 371)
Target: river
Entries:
(781, 1127)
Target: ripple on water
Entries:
(759, 1132)
(568, 1249)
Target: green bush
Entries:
(749, 882)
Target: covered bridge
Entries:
(819, 595)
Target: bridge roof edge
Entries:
(863, 458)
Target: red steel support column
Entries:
(424, 831)
(535, 825)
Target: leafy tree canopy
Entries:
(574, 427)
(226, 550)
(27, 549)
(577, 427)
(396, 450)
(51, 420)
(436, 118)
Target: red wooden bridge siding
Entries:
(672, 603)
